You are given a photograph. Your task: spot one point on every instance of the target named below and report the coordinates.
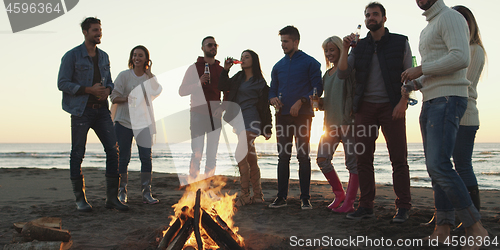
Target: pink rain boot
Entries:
(337, 188)
(352, 191)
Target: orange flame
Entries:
(213, 201)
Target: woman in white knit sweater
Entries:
(469, 124)
(134, 90)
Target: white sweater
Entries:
(444, 47)
(125, 84)
(477, 59)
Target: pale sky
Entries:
(172, 31)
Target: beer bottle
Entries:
(207, 71)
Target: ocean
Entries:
(174, 158)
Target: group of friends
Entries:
(363, 90)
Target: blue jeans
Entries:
(100, 121)
(439, 123)
(462, 154)
(124, 136)
(329, 142)
(287, 127)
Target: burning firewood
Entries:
(39, 232)
(207, 230)
(197, 208)
(170, 234)
(182, 236)
(222, 237)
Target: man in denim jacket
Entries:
(85, 80)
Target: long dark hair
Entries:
(146, 53)
(257, 72)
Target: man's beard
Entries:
(427, 5)
(374, 27)
(210, 54)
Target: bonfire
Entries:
(203, 218)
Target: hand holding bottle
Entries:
(206, 75)
(354, 42)
(276, 102)
(315, 100)
(204, 79)
(408, 89)
(348, 40)
(228, 63)
(148, 69)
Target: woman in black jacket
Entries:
(247, 110)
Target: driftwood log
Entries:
(53, 222)
(222, 237)
(182, 236)
(38, 232)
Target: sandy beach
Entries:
(27, 194)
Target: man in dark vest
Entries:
(379, 59)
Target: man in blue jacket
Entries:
(85, 80)
(294, 78)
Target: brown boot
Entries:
(258, 196)
(244, 197)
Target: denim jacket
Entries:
(77, 70)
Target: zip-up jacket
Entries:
(294, 78)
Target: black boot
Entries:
(79, 190)
(112, 201)
(474, 196)
(147, 198)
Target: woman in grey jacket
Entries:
(247, 110)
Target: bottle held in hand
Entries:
(410, 87)
(356, 36)
(103, 82)
(278, 107)
(207, 71)
(315, 99)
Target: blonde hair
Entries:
(475, 35)
(335, 40)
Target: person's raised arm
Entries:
(346, 61)
(224, 81)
